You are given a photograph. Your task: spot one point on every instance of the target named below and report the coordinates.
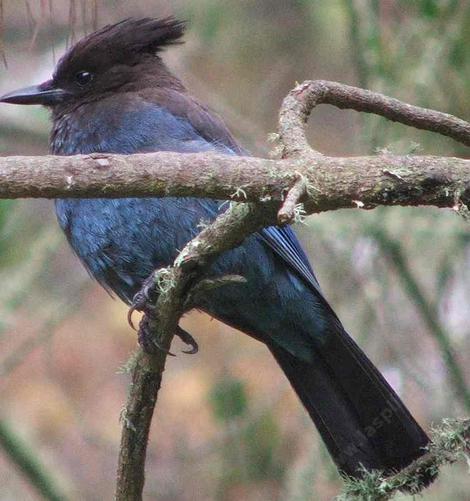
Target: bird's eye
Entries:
(83, 78)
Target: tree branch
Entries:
(136, 419)
(450, 442)
(332, 183)
(300, 101)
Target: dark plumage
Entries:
(112, 93)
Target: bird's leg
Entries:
(144, 300)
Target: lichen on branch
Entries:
(450, 442)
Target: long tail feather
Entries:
(362, 421)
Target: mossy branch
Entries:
(331, 182)
(450, 442)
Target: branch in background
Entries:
(359, 48)
(28, 463)
(450, 442)
(394, 252)
(2, 48)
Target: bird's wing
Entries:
(284, 243)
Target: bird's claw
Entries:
(129, 317)
(149, 344)
(187, 339)
(161, 348)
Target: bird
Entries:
(112, 92)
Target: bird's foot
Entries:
(150, 344)
(146, 336)
(144, 301)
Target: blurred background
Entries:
(227, 425)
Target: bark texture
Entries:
(331, 182)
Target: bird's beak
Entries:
(45, 94)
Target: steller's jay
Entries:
(112, 93)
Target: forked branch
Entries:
(274, 189)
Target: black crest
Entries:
(123, 42)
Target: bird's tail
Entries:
(360, 418)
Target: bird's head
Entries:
(122, 56)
